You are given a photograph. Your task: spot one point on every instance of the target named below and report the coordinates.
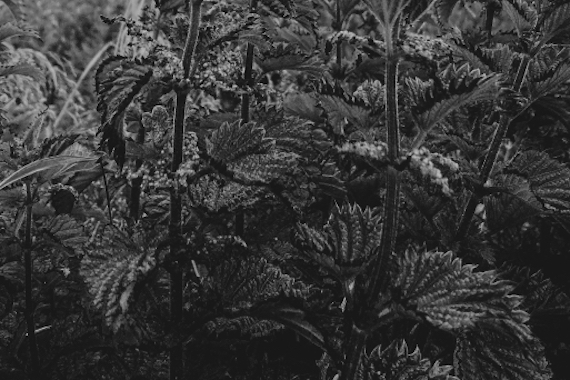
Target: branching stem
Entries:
(492, 155)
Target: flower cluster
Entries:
(373, 150)
(156, 174)
(423, 160)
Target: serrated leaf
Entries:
(523, 15)
(555, 23)
(493, 352)
(66, 231)
(112, 279)
(231, 141)
(117, 81)
(262, 168)
(49, 168)
(547, 86)
(396, 362)
(548, 180)
(444, 9)
(481, 89)
(14, 8)
(449, 294)
(346, 242)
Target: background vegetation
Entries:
(275, 189)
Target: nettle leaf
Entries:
(345, 244)
(50, 168)
(242, 283)
(549, 85)
(263, 167)
(341, 110)
(21, 68)
(289, 57)
(117, 81)
(444, 9)
(112, 278)
(396, 362)
(514, 206)
(231, 141)
(548, 180)
(523, 14)
(492, 351)
(556, 22)
(216, 195)
(467, 87)
(451, 295)
(66, 231)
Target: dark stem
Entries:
(135, 197)
(107, 194)
(391, 203)
(339, 42)
(379, 278)
(355, 345)
(491, 156)
(175, 226)
(249, 80)
(32, 342)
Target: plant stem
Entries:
(339, 42)
(379, 279)
(175, 226)
(32, 343)
(491, 156)
(355, 345)
(249, 80)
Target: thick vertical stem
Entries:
(391, 203)
(379, 279)
(175, 229)
(339, 42)
(249, 80)
(32, 342)
(355, 345)
(491, 156)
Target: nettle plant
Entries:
(322, 190)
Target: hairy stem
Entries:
(249, 80)
(32, 343)
(379, 279)
(175, 226)
(491, 156)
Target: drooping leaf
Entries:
(396, 362)
(117, 81)
(467, 87)
(556, 22)
(66, 231)
(25, 69)
(491, 351)
(49, 168)
(9, 30)
(550, 84)
(451, 295)
(112, 276)
(289, 57)
(522, 13)
(548, 180)
(231, 141)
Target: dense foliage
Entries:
(279, 189)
